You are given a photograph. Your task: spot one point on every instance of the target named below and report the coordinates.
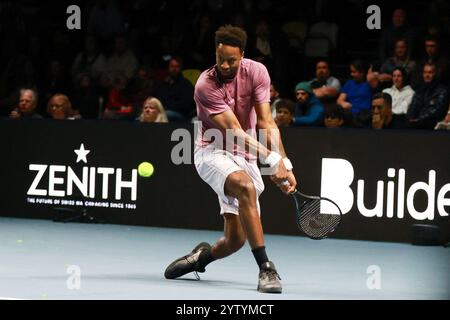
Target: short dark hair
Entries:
(430, 37)
(360, 65)
(286, 104)
(231, 36)
(334, 111)
(324, 61)
(430, 64)
(404, 73)
(385, 96)
(177, 59)
(401, 40)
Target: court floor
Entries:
(42, 259)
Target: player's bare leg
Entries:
(236, 229)
(240, 186)
(234, 237)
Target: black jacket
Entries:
(430, 103)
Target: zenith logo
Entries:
(338, 175)
(62, 179)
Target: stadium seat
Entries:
(192, 75)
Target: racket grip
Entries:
(285, 183)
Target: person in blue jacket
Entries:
(309, 111)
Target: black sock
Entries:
(205, 257)
(260, 255)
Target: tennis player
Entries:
(233, 98)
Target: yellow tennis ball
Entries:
(145, 169)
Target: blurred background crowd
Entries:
(139, 60)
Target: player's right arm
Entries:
(211, 103)
(227, 121)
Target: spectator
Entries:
(445, 123)
(402, 95)
(61, 46)
(153, 111)
(141, 87)
(203, 37)
(261, 46)
(381, 111)
(176, 93)
(60, 108)
(269, 47)
(334, 116)
(433, 55)
(430, 102)
(401, 58)
(38, 58)
(274, 98)
(285, 113)
(325, 87)
(308, 109)
(326, 27)
(105, 20)
(55, 80)
(122, 61)
(447, 116)
(27, 104)
(90, 61)
(86, 98)
(118, 105)
(356, 95)
(398, 30)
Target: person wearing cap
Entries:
(309, 111)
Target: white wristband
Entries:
(288, 164)
(272, 159)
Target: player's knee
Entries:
(246, 188)
(242, 186)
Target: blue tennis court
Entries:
(46, 260)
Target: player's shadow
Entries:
(209, 282)
(143, 278)
(148, 277)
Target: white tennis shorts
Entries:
(215, 165)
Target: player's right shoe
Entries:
(269, 280)
(188, 263)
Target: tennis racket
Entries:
(316, 216)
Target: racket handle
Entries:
(286, 183)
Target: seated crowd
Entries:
(399, 92)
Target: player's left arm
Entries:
(273, 139)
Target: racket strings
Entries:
(314, 223)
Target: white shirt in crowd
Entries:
(401, 99)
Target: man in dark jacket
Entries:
(176, 93)
(430, 102)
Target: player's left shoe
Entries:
(188, 263)
(269, 280)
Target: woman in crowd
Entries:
(153, 111)
(59, 107)
(402, 95)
